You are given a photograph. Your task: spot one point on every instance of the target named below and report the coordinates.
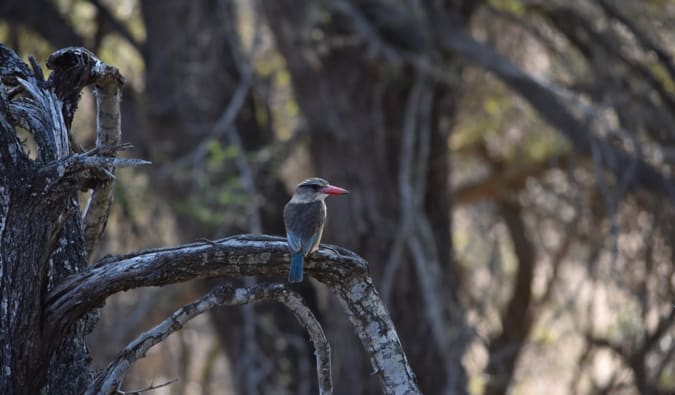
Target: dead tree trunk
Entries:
(42, 233)
(49, 296)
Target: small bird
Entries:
(304, 217)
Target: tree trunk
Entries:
(23, 275)
(354, 106)
(177, 121)
(42, 233)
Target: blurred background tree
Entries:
(510, 165)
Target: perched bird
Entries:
(304, 217)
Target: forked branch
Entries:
(344, 272)
(224, 295)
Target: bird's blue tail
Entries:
(295, 275)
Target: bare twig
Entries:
(148, 388)
(70, 174)
(225, 295)
(664, 57)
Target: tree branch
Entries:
(224, 295)
(108, 85)
(663, 56)
(11, 66)
(517, 316)
(243, 255)
(543, 96)
(504, 181)
(377, 334)
(10, 146)
(78, 170)
(39, 110)
(73, 69)
(117, 25)
(411, 197)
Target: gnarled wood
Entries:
(245, 255)
(48, 295)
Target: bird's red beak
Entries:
(333, 190)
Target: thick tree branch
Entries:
(73, 69)
(223, 295)
(546, 101)
(44, 217)
(11, 66)
(244, 255)
(377, 334)
(39, 110)
(108, 91)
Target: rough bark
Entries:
(247, 255)
(47, 310)
(40, 213)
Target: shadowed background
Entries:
(509, 164)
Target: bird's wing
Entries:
(294, 242)
(304, 223)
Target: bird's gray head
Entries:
(313, 189)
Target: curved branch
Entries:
(377, 334)
(223, 295)
(244, 255)
(544, 98)
(40, 111)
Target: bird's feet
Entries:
(332, 249)
(209, 241)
